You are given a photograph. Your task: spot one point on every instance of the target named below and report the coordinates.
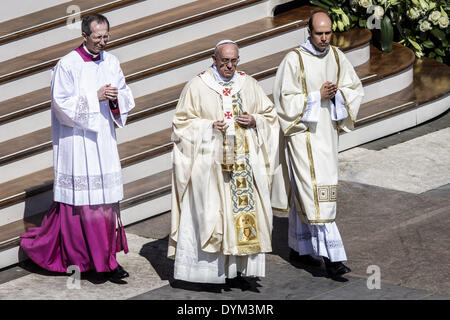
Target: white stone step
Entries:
(148, 46)
(130, 132)
(393, 124)
(135, 213)
(36, 204)
(20, 8)
(163, 80)
(53, 37)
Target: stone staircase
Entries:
(161, 48)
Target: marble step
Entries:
(33, 152)
(136, 38)
(166, 68)
(119, 12)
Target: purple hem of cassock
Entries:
(84, 236)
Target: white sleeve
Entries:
(338, 109)
(312, 107)
(77, 111)
(124, 99)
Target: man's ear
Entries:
(309, 31)
(214, 59)
(85, 36)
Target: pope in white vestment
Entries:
(221, 210)
(87, 173)
(310, 123)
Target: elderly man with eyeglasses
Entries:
(225, 133)
(89, 96)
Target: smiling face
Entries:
(226, 59)
(322, 31)
(98, 38)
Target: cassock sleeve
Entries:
(351, 91)
(77, 111)
(289, 95)
(125, 102)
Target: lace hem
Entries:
(96, 182)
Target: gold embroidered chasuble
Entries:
(311, 148)
(232, 199)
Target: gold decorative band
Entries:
(305, 91)
(327, 193)
(313, 174)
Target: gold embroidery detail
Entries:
(247, 234)
(327, 193)
(336, 56)
(352, 117)
(240, 167)
(243, 200)
(313, 174)
(241, 183)
(304, 89)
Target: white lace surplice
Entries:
(86, 161)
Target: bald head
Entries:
(319, 18)
(320, 30)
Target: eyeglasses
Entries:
(99, 38)
(233, 61)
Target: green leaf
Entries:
(428, 44)
(439, 52)
(362, 23)
(439, 59)
(328, 2)
(319, 4)
(415, 44)
(431, 55)
(438, 34)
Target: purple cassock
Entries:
(84, 235)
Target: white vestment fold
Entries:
(221, 220)
(87, 168)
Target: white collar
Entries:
(88, 52)
(308, 46)
(219, 78)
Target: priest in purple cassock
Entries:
(89, 96)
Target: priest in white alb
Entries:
(225, 133)
(89, 96)
(316, 93)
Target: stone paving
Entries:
(393, 215)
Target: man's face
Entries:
(96, 42)
(226, 60)
(321, 35)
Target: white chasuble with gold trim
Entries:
(229, 205)
(311, 146)
(236, 161)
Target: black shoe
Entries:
(336, 268)
(117, 275)
(122, 271)
(304, 259)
